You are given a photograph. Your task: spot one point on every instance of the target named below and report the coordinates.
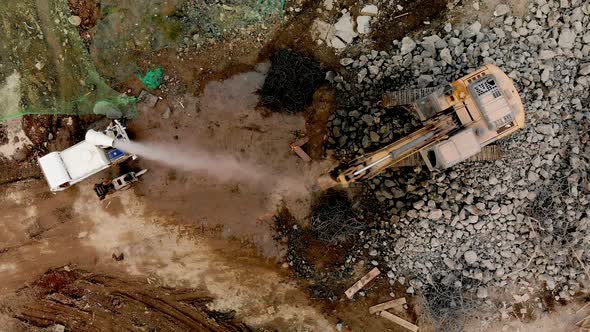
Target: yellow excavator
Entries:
(458, 121)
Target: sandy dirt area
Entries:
(75, 230)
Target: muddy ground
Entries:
(182, 251)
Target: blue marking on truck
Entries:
(115, 154)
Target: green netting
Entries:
(153, 78)
(45, 67)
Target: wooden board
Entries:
(296, 147)
(399, 321)
(301, 153)
(397, 303)
(362, 282)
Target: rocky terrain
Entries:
(507, 231)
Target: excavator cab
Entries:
(489, 108)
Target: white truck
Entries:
(62, 169)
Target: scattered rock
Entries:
(472, 30)
(481, 205)
(166, 113)
(344, 29)
(363, 25)
(75, 20)
(567, 39)
(501, 10)
(370, 10)
(482, 293)
(470, 257)
(408, 45)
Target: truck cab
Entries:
(62, 169)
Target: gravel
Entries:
(518, 224)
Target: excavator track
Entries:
(405, 97)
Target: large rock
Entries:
(435, 214)
(446, 57)
(363, 25)
(567, 38)
(408, 45)
(501, 10)
(546, 55)
(75, 20)
(470, 257)
(472, 30)
(346, 61)
(430, 44)
(370, 10)
(344, 29)
(482, 293)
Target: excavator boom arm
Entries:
(372, 164)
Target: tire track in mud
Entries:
(76, 298)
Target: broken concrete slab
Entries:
(363, 25)
(344, 28)
(148, 98)
(370, 10)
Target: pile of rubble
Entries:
(518, 224)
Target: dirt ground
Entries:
(182, 251)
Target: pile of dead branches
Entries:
(333, 219)
(291, 82)
(447, 307)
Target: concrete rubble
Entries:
(346, 29)
(481, 227)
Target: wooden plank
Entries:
(362, 282)
(582, 308)
(301, 153)
(301, 142)
(296, 147)
(399, 321)
(397, 303)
